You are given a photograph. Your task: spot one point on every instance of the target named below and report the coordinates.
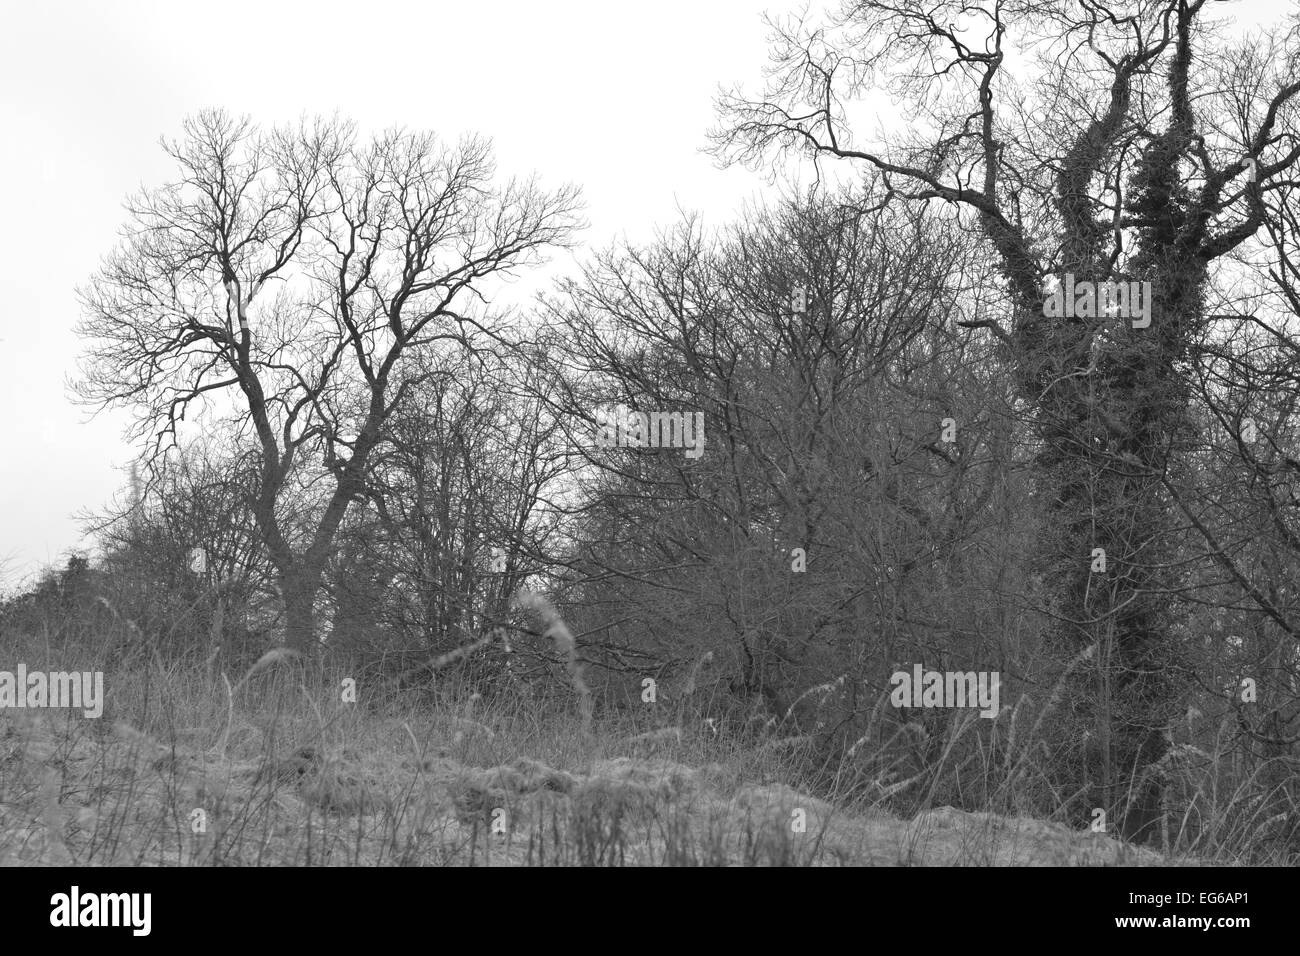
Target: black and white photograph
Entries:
(756, 433)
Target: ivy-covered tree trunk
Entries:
(1111, 416)
(1107, 443)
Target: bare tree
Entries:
(824, 529)
(1142, 151)
(182, 557)
(279, 290)
(458, 515)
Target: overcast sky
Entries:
(614, 97)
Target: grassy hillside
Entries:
(190, 768)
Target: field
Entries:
(187, 769)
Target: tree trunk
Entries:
(1108, 438)
(299, 593)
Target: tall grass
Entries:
(193, 766)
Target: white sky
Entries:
(614, 97)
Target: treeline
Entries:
(867, 500)
(906, 453)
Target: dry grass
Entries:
(275, 768)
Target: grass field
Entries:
(189, 768)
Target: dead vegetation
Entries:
(181, 772)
